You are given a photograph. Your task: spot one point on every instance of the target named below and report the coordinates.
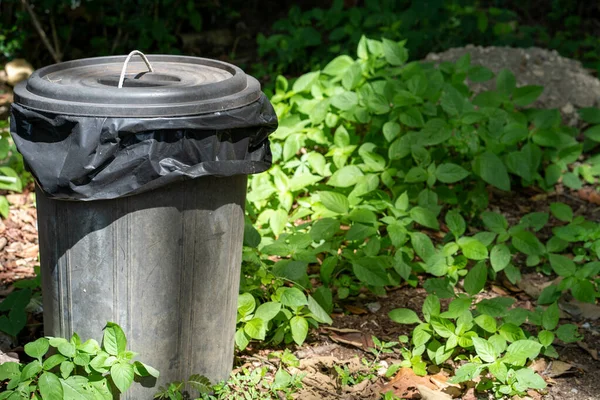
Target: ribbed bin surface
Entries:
(164, 265)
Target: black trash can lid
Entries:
(122, 86)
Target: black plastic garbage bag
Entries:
(75, 157)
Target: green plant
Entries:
(489, 337)
(247, 384)
(13, 316)
(14, 308)
(75, 370)
(176, 390)
(12, 171)
(304, 39)
(373, 153)
(289, 313)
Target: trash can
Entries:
(141, 168)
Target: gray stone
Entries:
(565, 81)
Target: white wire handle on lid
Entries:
(124, 69)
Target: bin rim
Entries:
(177, 86)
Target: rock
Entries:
(17, 70)
(8, 357)
(565, 81)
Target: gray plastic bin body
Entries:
(164, 265)
(141, 174)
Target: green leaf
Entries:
(500, 257)
(305, 82)
(114, 341)
(9, 370)
(489, 98)
(66, 367)
(492, 170)
(335, 202)
(499, 371)
(292, 297)
(391, 130)
(480, 73)
(422, 245)
(241, 339)
(467, 372)
(122, 374)
(486, 323)
(484, 349)
(77, 387)
(527, 243)
(452, 101)
(361, 50)
(15, 186)
(549, 294)
(404, 316)
(246, 304)
(352, 77)
(267, 311)
(370, 272)
(50, 387)
(345, 176)
(584, 290)
(450, 173)
(476, 279)
(568, 333)
(546, 338)
(394, 52)
(505, 82)
(412, 117)
(443, 327)
(345, 101)
(318, 313)
(338, 66)
(31, 369)
(38, 348)
(251, 236)
(457, 308)
(67, 349)
(456, 223)
(4, 207)
(494, 222)
(299, 327)
(526, 95)
(53, 361)
(518, 352)
(142, 369)
(528, 379)
(425, 217)
(324, 229)
(431, 307)
(472, 248)
(593, 133)
(562, 212)
(562, 265)
(416, 175)
(255, 328)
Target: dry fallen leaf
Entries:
(404, 384)
(558, 368)
(589, 194)
(592, 352)
(584, 310)
(355, 310)
(429, 394)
